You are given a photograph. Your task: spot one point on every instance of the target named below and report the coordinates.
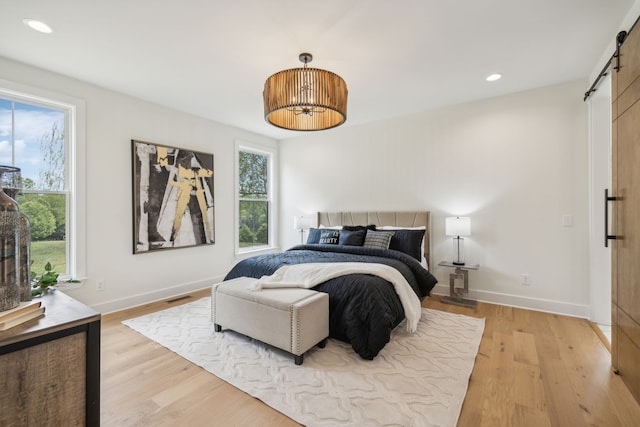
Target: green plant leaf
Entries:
(41, 282)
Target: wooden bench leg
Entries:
(217, 327)
(322, 343)
(298, 359)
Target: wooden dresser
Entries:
(50, 367)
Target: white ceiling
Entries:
(211, 57)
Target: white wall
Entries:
(113, 120)
(515, 164)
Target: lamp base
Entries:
(463, 302)
(458, 251)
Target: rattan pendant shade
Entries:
(305, 99)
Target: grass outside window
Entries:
(52, 251)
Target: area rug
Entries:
(418, 379)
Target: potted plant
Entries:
(43, 282)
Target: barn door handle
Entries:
(607, 236)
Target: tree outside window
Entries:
(253, 200)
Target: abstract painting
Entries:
(172, 197)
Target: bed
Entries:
(363, 308)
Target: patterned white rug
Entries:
(418, 379)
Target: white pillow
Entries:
(393, 227)
(335, 227)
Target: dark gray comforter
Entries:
(364, 309)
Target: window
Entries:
(255, 204)
(38, 135)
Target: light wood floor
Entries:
(532, 369)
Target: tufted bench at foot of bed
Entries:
(292, 319)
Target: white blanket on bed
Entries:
(312, 274)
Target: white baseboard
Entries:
(548, 306)
(159, 295)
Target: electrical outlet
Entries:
(100, 285)
(567, 220)
(526, 279)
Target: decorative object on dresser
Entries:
(305, 99)
(14, 242)
(456, 294)
(12, 186)
(24, 312)
(458, 226)
(173, 204)
(46, 280)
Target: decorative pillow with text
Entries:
(329, 237)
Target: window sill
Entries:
(256, 251)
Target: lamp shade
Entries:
(305, 99)
(457, 226)
(301, 223)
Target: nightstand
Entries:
(456, 294)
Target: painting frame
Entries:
(173, 197)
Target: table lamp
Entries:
(301, 223)
(458, 226)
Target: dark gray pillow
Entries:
(378, 239)
(329, 237)
(352, 237)
(314, 236)
(359, 227)
(409, 242)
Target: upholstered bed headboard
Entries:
(398, 219)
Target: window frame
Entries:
(75, 161)
(272, 155)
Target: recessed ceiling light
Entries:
(37, 25)
(494, 77)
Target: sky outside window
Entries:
(31, 125)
